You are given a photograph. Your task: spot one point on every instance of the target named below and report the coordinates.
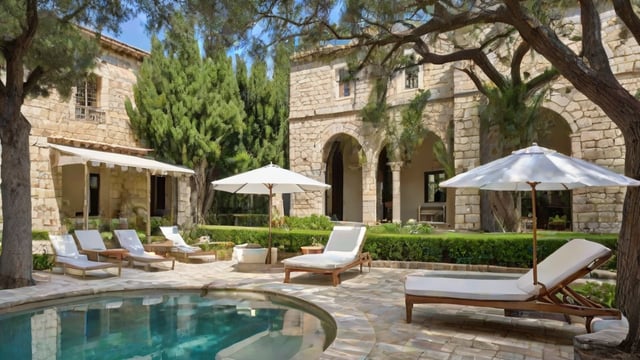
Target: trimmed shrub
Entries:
(500, 249)
(39, 235)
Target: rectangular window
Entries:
(344, 83)
(87, 107)
(411, 77)
(432, 190)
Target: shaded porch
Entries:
(115, 185)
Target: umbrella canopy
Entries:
(548, 168)
(268, 180)
(537, 168)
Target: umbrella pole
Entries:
(267, 260)
(534, 227)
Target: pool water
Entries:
(176, 325)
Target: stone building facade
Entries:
(326, 128)
(86, 166)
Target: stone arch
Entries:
(556, 131)
(559, 103)
(554, 208)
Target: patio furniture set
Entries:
(92, 254)
(549, 293)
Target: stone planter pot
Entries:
(247, 255)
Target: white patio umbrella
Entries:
(268, 180)
(537, 168)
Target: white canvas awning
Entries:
(72, 155)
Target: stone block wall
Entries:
(317, 116)
(55, 117)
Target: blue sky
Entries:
(133, 33)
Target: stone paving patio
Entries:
(368, 308)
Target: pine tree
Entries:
(188, 108)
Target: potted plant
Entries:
(316, 247)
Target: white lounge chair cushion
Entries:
(172, 233)
(345, 239)
(129, 240)
(90, 240)
(82, 263)
(64, 245)
(460, 288)
(329, 261)
(147, 256)
(562, 263)
(186, 249)
(343, 248)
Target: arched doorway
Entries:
(335, 177)
(384, 198)
(343, 156)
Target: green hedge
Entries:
(288, 240)
(507, 249)
(39, 235)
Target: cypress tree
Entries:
(188, 108)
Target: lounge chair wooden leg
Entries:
(287, 276)
(409, 307)
(587, 323)
(336, 278)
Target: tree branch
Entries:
(32, 80)
(476, 55)
(539, 81)
(15, 49)
(74, 14)
(547, 43)
(625, 12)
(441, 25)
(592, 39)
(516, 62)
(476, 80)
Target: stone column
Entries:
(467, 156)
(369, 199)
(396, 166)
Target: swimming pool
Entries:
(168, 324)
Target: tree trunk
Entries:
(628, 291)
(200, 192)
(15, 261)
(593, 79)
(498, 210)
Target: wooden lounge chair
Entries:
(342, 252)
(91, 244)
(571, 261)
(136, 255)
(181, 249)
(68, 257)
